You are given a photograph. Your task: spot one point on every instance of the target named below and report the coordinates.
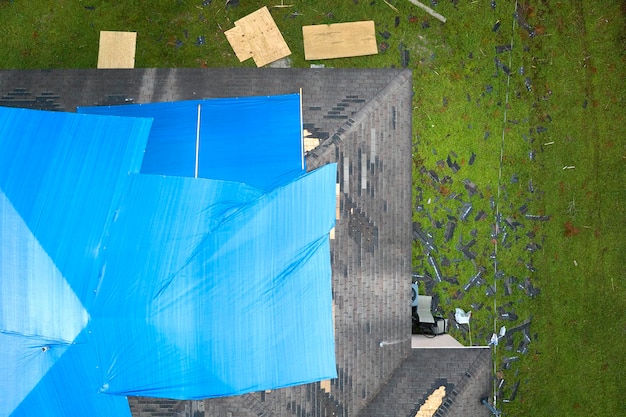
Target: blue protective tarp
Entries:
(256, 140)
(116, 283)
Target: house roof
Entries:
(363, 120)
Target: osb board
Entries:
(238, 43)
(117, 49)
(339, 40)
(325, 385)
(432, 403)
(264, 41)
(310, 144)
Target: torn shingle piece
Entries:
(508, 288)
(433, 175)
(433, 263)
(523, 347)
(476, 306)
(531, 247)
(513, 224)
(511, 316)
(449, 230)
(471, 187)
(503, 48)
(466, 252)
(480, 216)
(491, 291)
(472, 158)
(426, 240)
(474, 281)
(528, 84)
(523, 209)
(452, 280)
(537, 217)
(466, 209)
(506, 362)
(470, 243)
(404, 58)
(513, 393)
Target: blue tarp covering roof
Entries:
(116, 283)
(246, 139)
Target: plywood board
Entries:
(239, 43)
(117, 49)
(339, 40)
(325, 385)
(265, 42)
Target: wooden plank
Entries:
(310, 144)
(117, 49)
(263, 37)
(325, 385)
(339, 40)
(239, 43)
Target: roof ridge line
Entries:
(331, 142)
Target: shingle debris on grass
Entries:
(537, 217)
(528, 288)
(466, 209)
(513, 393)
(404, 58)
(450, 227)
(503, 48)
(470, 186)
(476, 280)
(425, 238)
(528, 84)
(433, 263)
(519, 16)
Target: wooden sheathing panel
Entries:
(117, 49)
(265, 41)
(325, 385)
(339, 40)
(239, 43)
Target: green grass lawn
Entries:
(560, 105)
